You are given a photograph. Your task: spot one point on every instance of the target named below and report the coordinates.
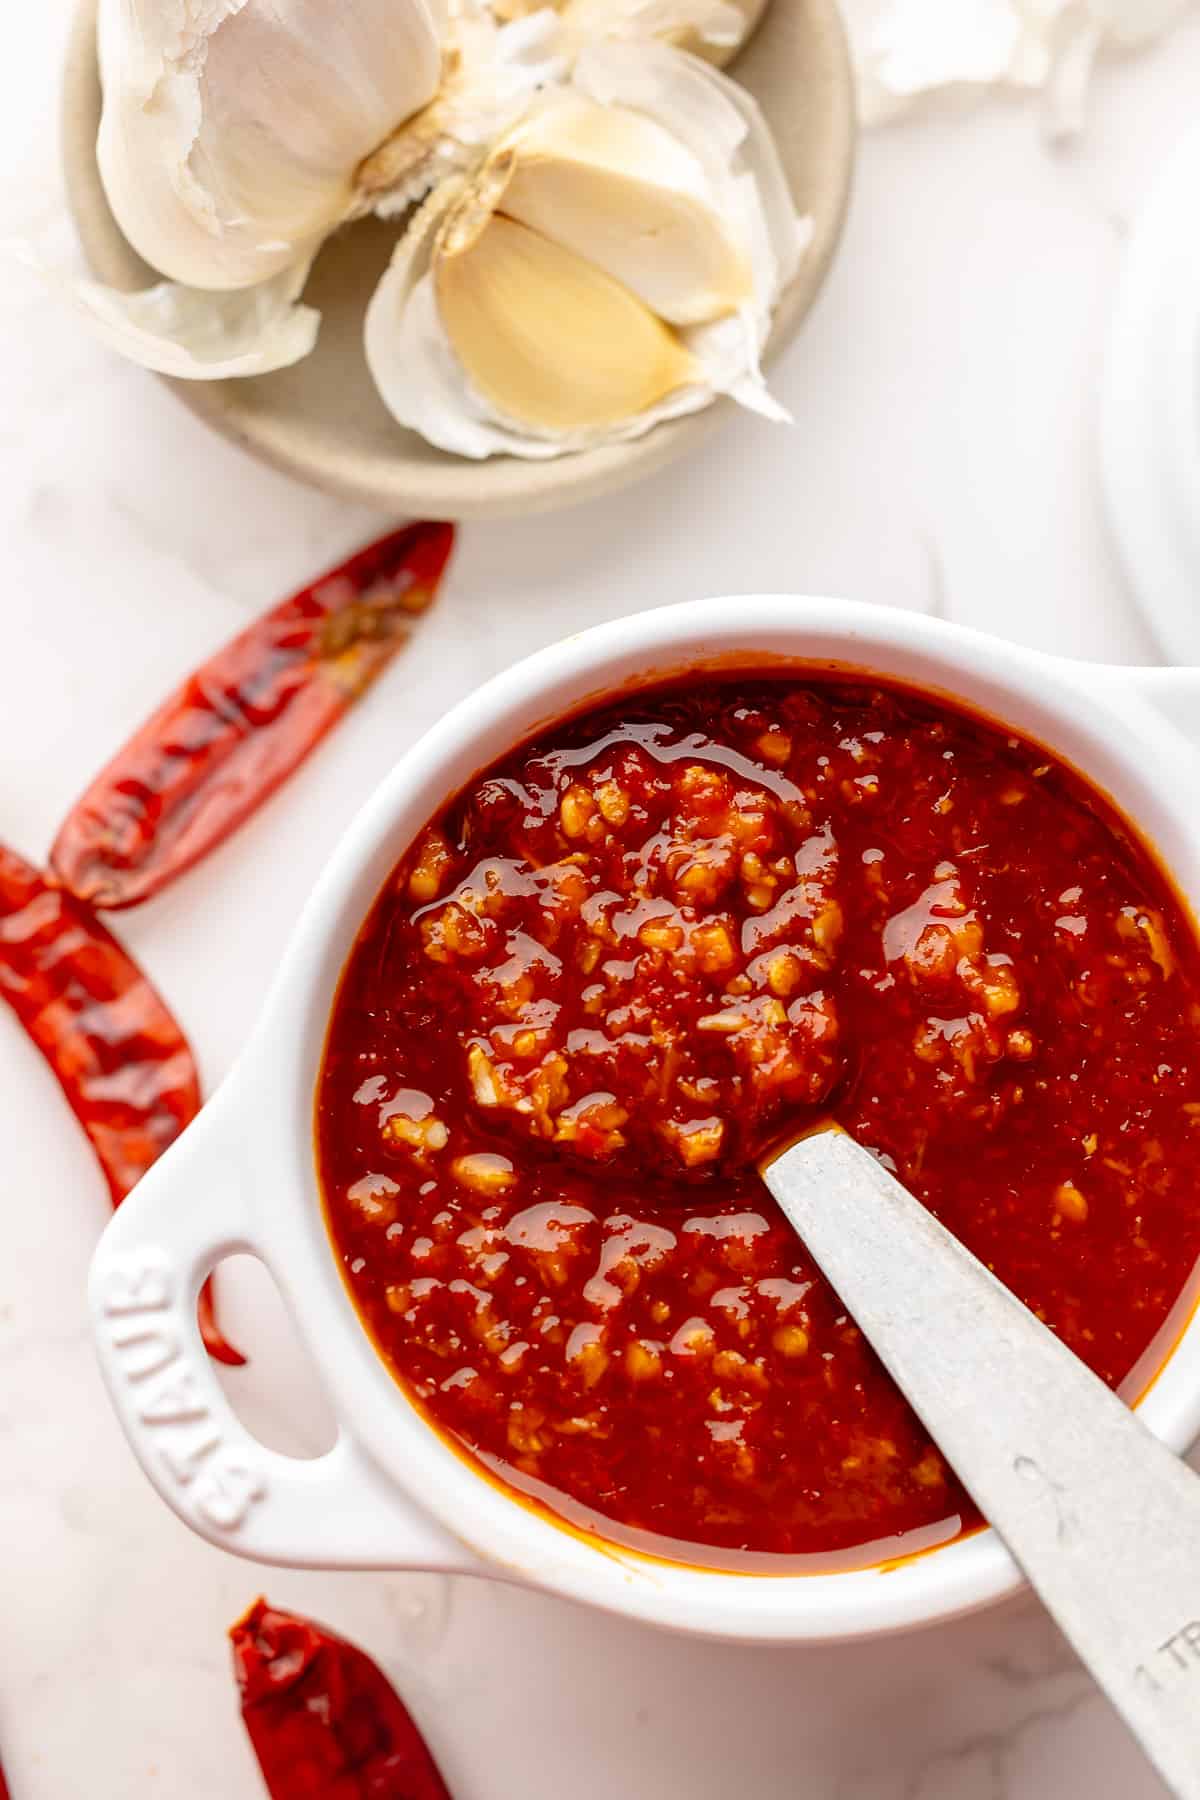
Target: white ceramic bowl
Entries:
(392, 1494)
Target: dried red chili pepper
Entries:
(238, 727)
(3, 1786)
(124, 1065)
(324, 1720)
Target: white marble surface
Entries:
(943, 457)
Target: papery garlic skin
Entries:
(232, 130)
(491, 72)
(1075, 32)
(722, 148)
(714, 39)
(1125, 23)
(188, 333)
(908, 50)
(713, 29)
(911, 52)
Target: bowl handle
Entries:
(1174, 692)
(333, 1511)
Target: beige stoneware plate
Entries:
(322, 420)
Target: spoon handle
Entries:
(1104, 1519)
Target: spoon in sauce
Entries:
(1103, 1519)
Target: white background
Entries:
(945, 395)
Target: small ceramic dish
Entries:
(393, 1493)
(322, 420)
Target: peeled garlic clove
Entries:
(467, 369)
(550, 339)
(232, 129)
(188, 333)
(499, 54)
(612, 185)
(724, 129)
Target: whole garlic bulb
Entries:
(615, 261)
(232, 129)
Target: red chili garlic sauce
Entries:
(633, 950)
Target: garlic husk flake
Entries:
(440, 388)
(713, 29)
(186, 332)
(910, 53)
(491, 72)
(232, 130)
